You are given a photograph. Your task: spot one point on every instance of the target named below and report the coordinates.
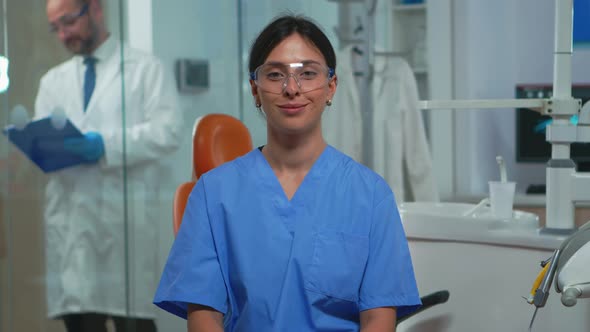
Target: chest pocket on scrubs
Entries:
(337, 264)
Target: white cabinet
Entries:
(409, 34)
(422, 34)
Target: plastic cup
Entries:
(502, 199)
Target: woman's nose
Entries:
(291, 85)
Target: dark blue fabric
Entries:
(89, 79)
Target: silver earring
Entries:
(329, 102)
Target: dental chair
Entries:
(217, 138)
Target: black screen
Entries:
(531, 145)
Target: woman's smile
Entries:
(292, 108)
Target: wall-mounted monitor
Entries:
(192, 75)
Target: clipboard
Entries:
(43, 144)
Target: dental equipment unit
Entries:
(565, 186)
(569, 264)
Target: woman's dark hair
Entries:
(283, 27)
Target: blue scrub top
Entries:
(311, 263)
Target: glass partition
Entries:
(30, 50)
(71, 208)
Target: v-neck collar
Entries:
(268, 178)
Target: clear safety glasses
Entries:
(68, 20)
(273, 77)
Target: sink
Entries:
(465, 216)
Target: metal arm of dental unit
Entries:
(565, 186)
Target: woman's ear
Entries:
(254, 91)
(332, 86)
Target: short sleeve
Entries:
(389, 275)
(192, 273)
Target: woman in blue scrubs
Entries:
(295, 235)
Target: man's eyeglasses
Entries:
(273, 77)
(68, 20)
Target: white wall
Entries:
(484, 53)
(440, 87)
(499, 44)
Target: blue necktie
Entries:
(89, 79)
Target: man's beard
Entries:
(81, 45)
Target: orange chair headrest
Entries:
(218, 138)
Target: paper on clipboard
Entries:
(43, 143)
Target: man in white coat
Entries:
(101, 216)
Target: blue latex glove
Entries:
(90, 147)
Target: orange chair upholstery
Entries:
(217, 138)
(180, 199)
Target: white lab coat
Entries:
(400, 148)
(342, 123)
(87, 234)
